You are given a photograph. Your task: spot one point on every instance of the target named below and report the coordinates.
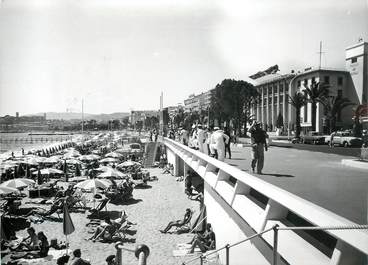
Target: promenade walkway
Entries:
(314, 176)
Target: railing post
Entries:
(201, 260)
(142, 252)
(275, 239)
(119, 254)
(227, 254)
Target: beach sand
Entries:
(153, 209)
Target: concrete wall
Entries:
(228, 231)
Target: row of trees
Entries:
(320, 93)
(230, 102)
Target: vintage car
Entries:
(313, 138)
(346, 139)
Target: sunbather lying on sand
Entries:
(177, 223)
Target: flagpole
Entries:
(66, 244)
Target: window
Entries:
(305, 113)
(340, 81)
(339, 93)
(305, 82)
(270, 90)
(298, 83)
(313, 80)
(326, 79)
(281, 99)
(281, 88)
(354, 60)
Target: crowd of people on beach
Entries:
(75, 163)
(100, 168)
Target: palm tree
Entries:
(315, 93)
(332, 107)
(298, 100)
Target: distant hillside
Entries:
(87, 116)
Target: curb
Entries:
(355, 163)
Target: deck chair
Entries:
(97, 210)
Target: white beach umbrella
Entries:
(51, 160)
(114, 155)
(93, 184)
(17, 183)
(91, 157)
(129, 163)
(78, 179)
(73, 161)
(34, 161)
(109, 160)
(48, 171)
(6, 190)
(111, 173)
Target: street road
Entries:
(345, 151)
(315, 176)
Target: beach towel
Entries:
(53, 254)
(183, 249)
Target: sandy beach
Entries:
(153, 207)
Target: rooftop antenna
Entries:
(320, 55)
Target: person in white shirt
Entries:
(218, 140)
(184, 136)
(201, 138)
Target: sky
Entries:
(119, 55)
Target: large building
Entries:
(273, 90)
(340, 85)
(198, 102)
(348, 83)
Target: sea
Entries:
(14, 142)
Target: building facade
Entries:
(273, 102)
(339, 85)
(198, 102)
(356, 63)
(350, 83)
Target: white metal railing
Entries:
(214, 171)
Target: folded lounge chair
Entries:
(97, 210)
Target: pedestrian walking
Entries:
(208, 140)
(200, 138)
(218, 141)
(258, 143)
(331, 139)
(184, 136)
(227, 145)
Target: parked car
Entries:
(346, 139)
(313, 138)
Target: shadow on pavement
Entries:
(279, 175)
